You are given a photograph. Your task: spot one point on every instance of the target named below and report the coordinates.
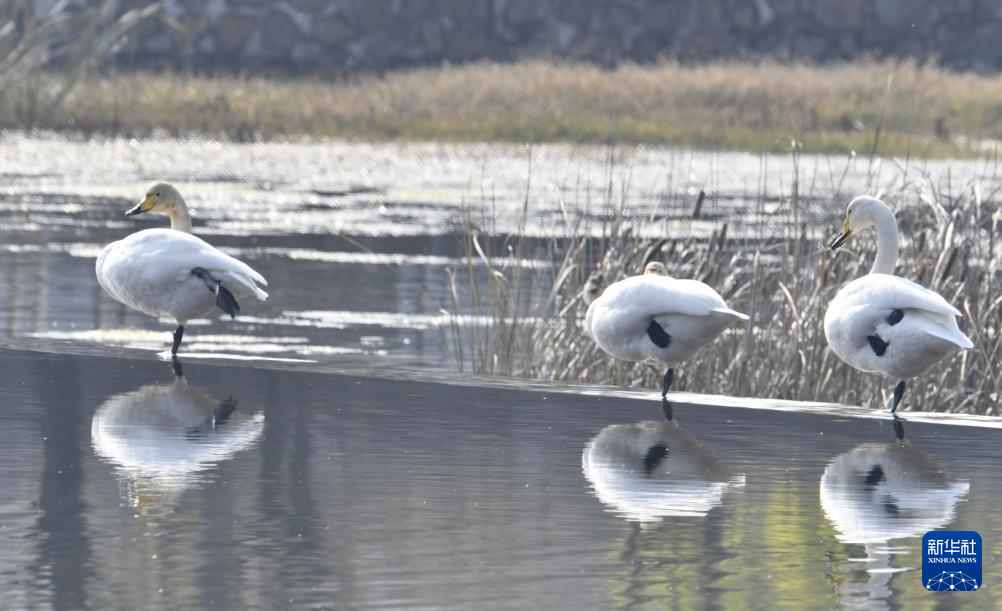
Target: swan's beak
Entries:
(842, 237)
(144, 206)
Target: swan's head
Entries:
(862, 212)
(655, 268)
(593, 288)
(161, 197)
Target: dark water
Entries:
(251, 488)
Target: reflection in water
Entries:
(651, 470)
(882, 491)
(164, 437)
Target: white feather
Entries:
(927, 332)
(692, 314)
(150, 271)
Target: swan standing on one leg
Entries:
(882, 323)
(171, 273)
(656, 317)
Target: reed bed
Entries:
(924, 110)
(782, 278)
(71, 42)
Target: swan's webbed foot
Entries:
(658, 335)
(899, 391)
(878, 345)
(655, 454)
(224, 410)
(178, 334)
(220, 414)
(875, 475)
(225, 300)
(666, 382)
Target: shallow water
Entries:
(261, 488)
(300, 465)
(355, 238)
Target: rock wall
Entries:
(374, 35)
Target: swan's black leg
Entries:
(178, 334)
(899, 429)
(175, 364)
(667, 409)
(899, 391)
(666, 382)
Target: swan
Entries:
(162, 438)
(171, 273)
(882, 491)
(651, 470)
(656, 317)
(882, 323)
(879, 492)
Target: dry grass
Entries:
(952, 243)
(918, 110)
(31, 41)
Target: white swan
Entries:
(163, 437)
(882, 323)
(171, 273)
(878, 492)
(651, 470)
(656, 317)
(882, 491)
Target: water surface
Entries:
(355, 238)
(266, 488)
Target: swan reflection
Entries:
(882, 491)
(877, 492)
(164, 437)
(652, 470)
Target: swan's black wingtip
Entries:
(226, 302)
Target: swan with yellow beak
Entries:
(882, 323)
(169, 273)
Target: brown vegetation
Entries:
(952, 244)
(900, 108)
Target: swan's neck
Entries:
(887, 244)
(180, 220)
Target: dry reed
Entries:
(923, 110)
(76, 40)
(783, 280)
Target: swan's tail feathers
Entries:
(730, 312)
(226, 302)
(247, 282)
(945, 329)
(257, 277)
